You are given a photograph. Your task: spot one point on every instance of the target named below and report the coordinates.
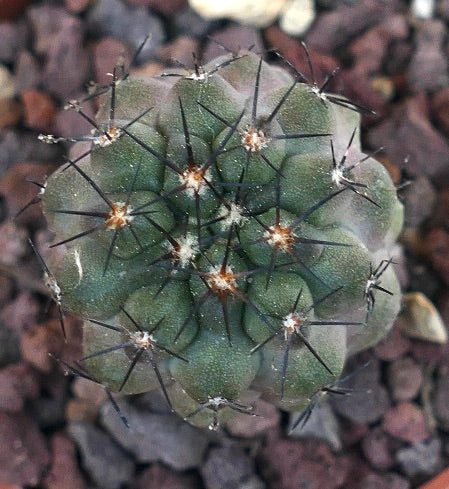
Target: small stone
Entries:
(12, 243)
(158, 477)
(383, 481)
(419, 200)
(407, 422)
(46, 22)
(24, 456)
(422, 9)
(128, 24)
(106, 53)
(443, 9)
(440, 109)
(17, 384)
(77, 6)
(322, 425)
(408, 132)
(156, 437)
(64, 472)
(288, 464)
(232, 37)
(10, 112)
(27, 73)
(243, 426)
(187, 22)
(428, 67)
(68, 123)
(13, 38)
(21, 314)
(39, 110)
(404, 378)
(66, 66)
(442, 398)
(180, 49)
(40, 339)
(421, 459)
(421, 319)
(9, 339)
(297, 16)
(9, 9)
(7, 90)
(393, 346)
(107, 464)
(352, 433)
(367, 400)
(227, 467)
(259, 13)
(377, 449)
(334, 29)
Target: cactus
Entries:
(224, 238)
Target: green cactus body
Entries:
(225, 239)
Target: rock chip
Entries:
(228, 467)
(244, 426)
(382, 481)
(419, 200)
(440, 109)
(421, 459)
(64, 472)
(393, 346)
(21, 313)
(39, 109)
(128, 24)
(288, 464)
(26, 456)
(13, 38)
(27, 73)
(406, 422)
(408, 132)
(9, 9)
(442, 398)
(9, 339)
(156, 437)
(107, 52)
(18, 383)
(66, 66)
(376, 447)
(159, 477)
(428, 68)
(180, 49)
(107, 464)
(187, 22)
(404, 379)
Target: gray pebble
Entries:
(128, 24)
(13, 38)
(189, 23)
(107, 464)
(156, 437)
(421, 459)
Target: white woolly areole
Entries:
(194, 181)
(187, 249)
(254, 140)
(142, 339)
(221, 281)
(119, 216)
(231, 214)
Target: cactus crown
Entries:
(223, 238)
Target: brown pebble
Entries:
(77, 6)
(376, 448)
(180, 49)
(107, 52)
(406, 421)
(10, 9)
(159, 477)
(394, 346)
(18, 383)
(440, 109)
(38, 109)
(244, 426)
(10, 112)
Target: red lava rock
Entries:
(408, 132)
(180, 49)
(323, 64)
(106, 53)
(39, 109)
(407, 422)
(21, 313)
(17, 383)
(440, 109)
(233, 37)
(66, 66)
(244, 426)
(288, 464)
(158, 477)
(12, 8)
(437, 245)
(64, 472)
(39, 340)
(168, 7)
(18, 192)
(10, 112)
(333, 29)
(24, 456)
(376, 448)
(404, 379)
(26, 71)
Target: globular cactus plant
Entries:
(224, 238)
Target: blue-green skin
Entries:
(221, 365)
